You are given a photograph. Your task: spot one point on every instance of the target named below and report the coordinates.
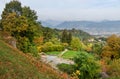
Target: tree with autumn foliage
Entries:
(21, 23)
(112, 48)
(111, 56)
(14, 24)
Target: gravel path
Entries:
(54, 60)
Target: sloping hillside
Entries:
(16, 65)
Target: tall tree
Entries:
(33, 26)
(20, 23)
(13, 6)
(29, 14)
(14, 24)
(47, 34)
(69, 37)
(64, 36)
(112, 48)
(0, 25)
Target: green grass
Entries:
(70, 54)
(67, 55)
(53, 53)
(15, 66)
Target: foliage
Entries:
(66, 37)
(112, 48)
(55, 41)
(87, 65)
(68, 68)
(26, 46)
(38, 41)
(97, 48)
(114, 68)
(12, 7)
(16, 65)
(49, 46)
(47, 34)
(29, 14)
(0, 25)
(14, 25)
(53, 53)
(33, 26)
(76, 44)
(21, 23)
(80, 34)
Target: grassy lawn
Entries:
(68, 55)
(53, 53)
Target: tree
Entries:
(14, 24)
(0, 25)
(33, 26)
(69, 38)
(13, 6)
(87, 65)
(29, 14)
(66, 37)
(47, 34)
(114, 68)
(21, 23)
(112, 49)
(76, 44)
(97, 48)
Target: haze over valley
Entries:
(105, 27)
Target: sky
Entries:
(69, 10)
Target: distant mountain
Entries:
(51, 23)
(94, 28)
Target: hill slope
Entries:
(16, 65)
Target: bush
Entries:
(66, 68)
(49, 46)
(88, 67)
(114, 68)
(33, 50)
(26, 46)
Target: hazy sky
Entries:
(95, 10)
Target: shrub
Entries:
(49, 46)
(33, 50)
(88, 67)
(66, 68)
(114, 68)
(26, 46)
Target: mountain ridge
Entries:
(105, 27)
